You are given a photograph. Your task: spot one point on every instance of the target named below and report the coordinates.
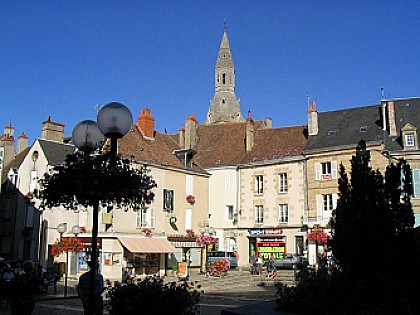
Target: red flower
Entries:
(317, 235)
(70, 244)
(190, 198)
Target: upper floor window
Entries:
(228, 181)
(146, 218)
(229, 213)
(326, 170)
(259, 214)
(224, 78)
(12, 177)
(283, 182)
(259, 184)
(416, 182)
(283, 213)
(409, 140)
(328, 202)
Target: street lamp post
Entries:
(113, 121)
(62, 228)
(88, 180)
(205, 229)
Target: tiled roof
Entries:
(158, 151)
(277, 143)
(221, 145)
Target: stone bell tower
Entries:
(224, 108)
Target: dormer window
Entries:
(409, 137)
(409, 140)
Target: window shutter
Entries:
(189, 184)
(416, 183)
(335, 198)
(318, 171)
(152, 217)
(83, 219)
(29, 220)
(334, 170)
(319, 205)
(188, 219)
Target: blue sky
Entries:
(62, 58)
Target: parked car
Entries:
(221, 255)
(291, 262)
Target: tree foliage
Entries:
(373, 242)
(89, 180)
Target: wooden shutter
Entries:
(318, 171)
(334, 170)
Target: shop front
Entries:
(144, 256)
(267, 242)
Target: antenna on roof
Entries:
(97, 107)
(382, 93)
(224, 24)
(308, 97)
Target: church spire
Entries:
(224, 107)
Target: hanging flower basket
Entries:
(205, 240)
(71, 244)
(147, 232)
(190, 199)
(317, 236)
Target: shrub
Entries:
(153, 296)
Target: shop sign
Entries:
(266, 249)
(265, 231)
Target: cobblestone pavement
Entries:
(236, 294)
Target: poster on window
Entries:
(168, 200)
(108, 259)
(266, 249)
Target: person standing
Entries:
(83, 289)
(270, 267)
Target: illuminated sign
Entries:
(265, 231)
(266, 249)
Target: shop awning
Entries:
(147, 245)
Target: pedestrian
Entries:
(8, 274)
(260, 264)
(22, 301)
(271, 269)
(83, 290)
(253, 263)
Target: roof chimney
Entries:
(249, 133)
(182, 137)
(313, 119)
(146, 123)
(22, 142)
(191, 132)
(52, 131)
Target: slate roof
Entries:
(406, 111)
(342, 128)
(15, 163)
(345, 128)
(56, 152)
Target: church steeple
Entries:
(224, 107)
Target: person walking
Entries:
(83, 290)
(270, 267)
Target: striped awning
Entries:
(147, 245)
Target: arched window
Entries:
(224, 78)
